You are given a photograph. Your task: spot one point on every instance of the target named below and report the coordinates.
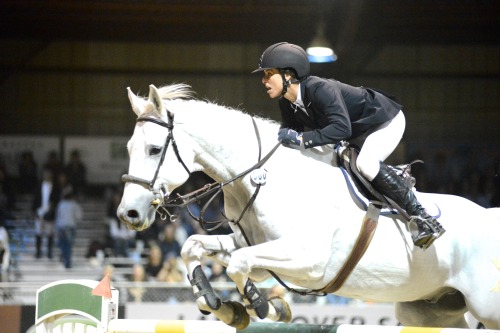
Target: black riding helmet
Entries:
(285, 56)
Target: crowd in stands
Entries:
(154, 254)
(468, 172)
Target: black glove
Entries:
(289, 137)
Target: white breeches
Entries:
(377, 144)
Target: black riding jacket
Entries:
(336, 111)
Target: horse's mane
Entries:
(185, 92)
(178, 90)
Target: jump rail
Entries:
(96, 305)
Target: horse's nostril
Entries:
(132, 213)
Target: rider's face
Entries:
(273, 82)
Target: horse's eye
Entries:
(154, 151)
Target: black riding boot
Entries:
(427, 229)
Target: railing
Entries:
(24, 293)
(149, 291)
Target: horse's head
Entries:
(156, 167)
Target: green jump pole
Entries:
(263, 327)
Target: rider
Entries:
(333, 111)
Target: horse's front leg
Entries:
(218, 248)
(283, 256)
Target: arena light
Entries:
(320, 49)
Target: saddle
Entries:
(347, 156)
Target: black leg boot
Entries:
(424, 228)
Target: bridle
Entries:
(161, 193)
(163, 201)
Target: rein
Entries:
(215, 189)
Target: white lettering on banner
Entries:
(380, 314)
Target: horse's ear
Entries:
(155, 99)
(137, 103)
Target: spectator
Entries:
(44, 204)
(68, 215)
(95, 253)
(28, 173)
(173, 271)
(122, 238)
(170, 271)
(155, 262)
(168, 243)
(109, 270)
(53, 163)
(137, 291)
(77, 173)
(218, 273)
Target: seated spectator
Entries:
(107, 270)
(218, 273)
(170, 271)
(137, 291)
(168, 243)
(123, 238)
(155, 262)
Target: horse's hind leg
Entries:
(448, 311)
(484, 306)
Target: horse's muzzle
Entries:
(133, 219)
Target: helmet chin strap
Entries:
(286, 83)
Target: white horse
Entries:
(303, 223)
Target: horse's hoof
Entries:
(204, 312)
(282, 309)
(241, 319)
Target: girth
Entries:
(348, 159)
